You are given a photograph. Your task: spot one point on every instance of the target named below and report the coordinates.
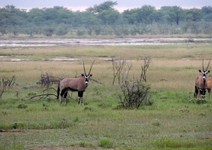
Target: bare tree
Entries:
(136, 91)
(144, 68)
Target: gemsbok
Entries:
(77, 84)
(201, 81)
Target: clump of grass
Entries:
(105, 105)
(156, 123)
(171, 143)
(76, 119)
(54, 124)
(22, 106)
(13, 147)
(85, 144)
(87, 108)
(106, 143)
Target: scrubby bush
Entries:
(136, 91)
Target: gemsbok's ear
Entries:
(82, 75)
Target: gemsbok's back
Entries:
(78, 84)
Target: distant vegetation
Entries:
(104, 20)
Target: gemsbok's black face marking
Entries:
(87, 78)
(78, 84)
(201, 81)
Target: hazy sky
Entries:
(122, 4)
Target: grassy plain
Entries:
(173, 121)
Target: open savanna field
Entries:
(174, 120)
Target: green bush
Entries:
(106, 143)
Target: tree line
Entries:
(104, 19)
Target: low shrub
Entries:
(106, 143)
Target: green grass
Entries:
(166, 143)
(174, 120)
(106, 143)
(49, 123)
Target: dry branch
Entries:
(47, 80)
(96, 81)
(119, 67)
(5, 84)
(42, 96)
(45, 94)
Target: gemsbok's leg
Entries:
(65, 95)
(60, 97)
(62, 94)
(80, 95)
(196, 92)
(209, 93)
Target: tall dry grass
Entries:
(172, 67)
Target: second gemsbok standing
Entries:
(201, 82)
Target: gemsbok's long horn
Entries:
(91, 67)
(208, 65)
(203, 65)
(84, 67)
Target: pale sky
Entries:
(122, 4)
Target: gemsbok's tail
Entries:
(58, 91)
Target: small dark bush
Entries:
(22, 106)
(134, 94)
